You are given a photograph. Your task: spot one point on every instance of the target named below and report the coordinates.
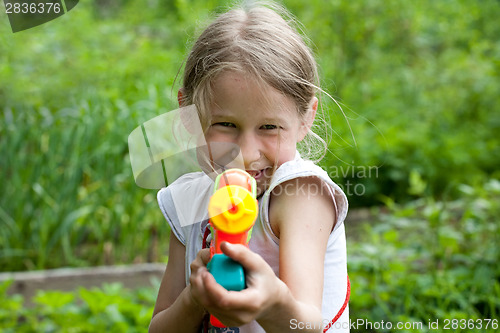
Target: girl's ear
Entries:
(308, 118)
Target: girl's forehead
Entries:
(240, 90)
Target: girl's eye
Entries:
(225, 124)
(269, 127)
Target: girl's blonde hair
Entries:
(258, 39)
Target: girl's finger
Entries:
(216, 293)
(204, 256)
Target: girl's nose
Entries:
(250, 148)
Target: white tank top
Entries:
(184, 204)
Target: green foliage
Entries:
(423, 261)
(419, 85)
(111, 308)
(418, 81)
(70, 102)
(430, 260)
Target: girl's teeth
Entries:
(254, 174)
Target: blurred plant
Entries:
(430, 260)
(421, 100)
(111, 308)
(425, 260)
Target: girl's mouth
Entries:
(255, 173)
(262, 173)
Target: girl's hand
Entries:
(236, 308)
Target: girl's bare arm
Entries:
(302, 216)
(175, 310)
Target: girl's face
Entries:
(263, 123)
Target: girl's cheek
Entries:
(218, 136)
(285, 154)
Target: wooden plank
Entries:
(68, 279)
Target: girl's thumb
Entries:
(241, 254)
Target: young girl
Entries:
(253, 80)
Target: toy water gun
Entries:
(232, 211)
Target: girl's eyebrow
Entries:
(231, 118)
(274, 120)
(226, 117)
(222, 114)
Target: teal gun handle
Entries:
(229, 274)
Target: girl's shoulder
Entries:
(184, 202)
(194, 183)
(299, 168)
